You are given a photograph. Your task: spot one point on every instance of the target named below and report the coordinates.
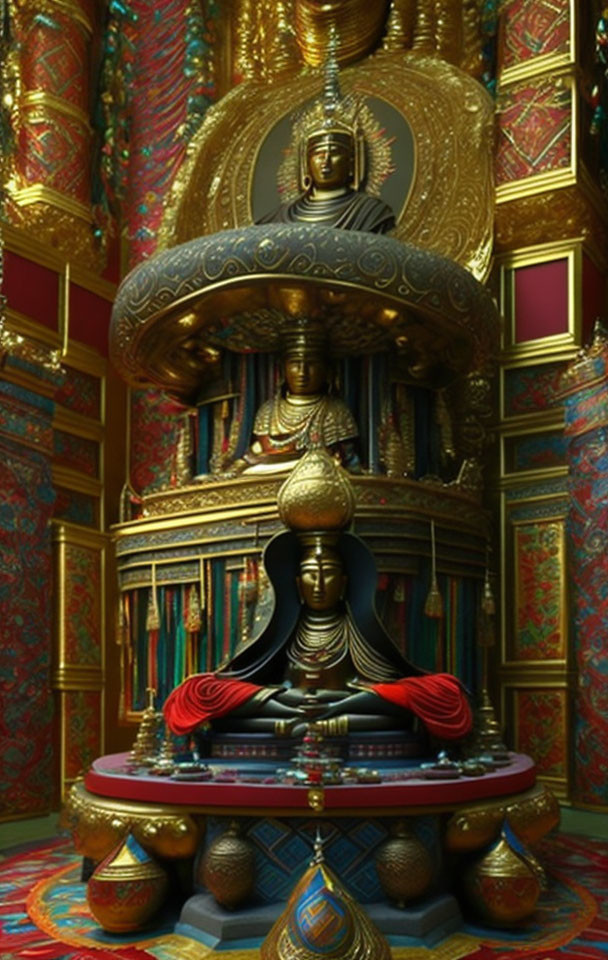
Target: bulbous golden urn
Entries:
(228, 868)
(404, 866)
(127, 888)
(501, 886)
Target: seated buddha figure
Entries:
(302, 413)
(324, 656)
(332, 160)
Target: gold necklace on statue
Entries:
(319, 642)
(291, 418)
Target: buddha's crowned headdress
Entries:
(332, 117)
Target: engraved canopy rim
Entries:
(239, 289)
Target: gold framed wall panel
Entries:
(530, 452)
(538, 402)
(534, 613)
(545, 63)
(538, 718)
(555, 345)
(563, 175)
(79, 661)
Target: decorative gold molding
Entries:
(554, 417)
(40, 193)
(76, 423)
(73, 8)
(28, 381)
(41, 98)
(99, 824)
(21, 324)
(67, 677)
(17, 345)
(532, 476)
(531, 814)
(511, 433)
(18, 240)
(73, 480)
(534, 68)
(576, 211)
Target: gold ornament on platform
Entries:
(322, 919)
(127, 888)
(228, 868)
(404, 866)
(145, 748)
(501, 887)
(317, 495)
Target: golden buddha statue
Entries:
(332, 165)
(324, 655)
(302, 413)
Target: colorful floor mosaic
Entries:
(44, 915)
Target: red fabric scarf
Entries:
(204, 697)
(438, 699)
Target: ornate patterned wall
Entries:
(552, 286)
(52, 438)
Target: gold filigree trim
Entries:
(16, 345)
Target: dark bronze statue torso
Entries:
(353, 211)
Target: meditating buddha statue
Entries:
(302, 413)
(332, 168)
(323, 657)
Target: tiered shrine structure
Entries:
(310, 597)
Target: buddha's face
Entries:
(330, 161)
(305, 375)
(321, 582)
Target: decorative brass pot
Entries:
(404, 866)
(127, 888)
(501, 887)
(228, 868)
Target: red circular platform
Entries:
(109, 777)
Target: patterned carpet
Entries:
(44, 915)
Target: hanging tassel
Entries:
(193, 610)
(153, 614)
(201, 583)
(488, 603)
(433, 606)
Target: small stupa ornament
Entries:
(322, 920)
(317, 495)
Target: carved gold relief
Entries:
(551, 217)
(450, 209)
(226, 291)
(99, 824)
(17, 345)
(255, 498)
(297, 31)
(531, 815)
